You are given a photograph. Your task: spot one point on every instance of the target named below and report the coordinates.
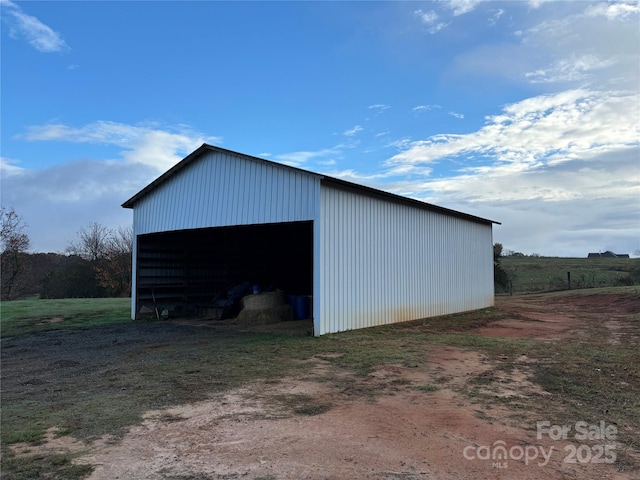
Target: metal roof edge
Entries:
(205, 147)
(409, 201)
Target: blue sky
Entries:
(526, 112)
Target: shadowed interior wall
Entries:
(189, 267)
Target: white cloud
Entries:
(433, 22)
(538, 3)
(299, 158)
(351, 132)
(401, 143)
(564, 125)
(613, 11)
(60, 199)
(613, 174)
(379, 106)
(570, 69)
(430, 20)
(577, 44)
(496, 15)
(8, 167)
(460, 7)
(146, 144)
(40, 36)
(351, 175)
(580, 47)
(329, 162)
(421, 108)
(560, 171)
(459, 116)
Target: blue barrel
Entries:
(300, 306)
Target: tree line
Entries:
(97, 263)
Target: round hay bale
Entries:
(264, 316)
(265, 308)
(263, 301)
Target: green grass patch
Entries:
(543, 274)
(594, 380)
(427, 388)
(19, 317)
(36, 467)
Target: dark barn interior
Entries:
(184, 271)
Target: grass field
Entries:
(38, 315)
(545, 274)
(96, 372)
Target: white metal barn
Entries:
(366, 257)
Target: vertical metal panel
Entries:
(221, 189)
(384, 262)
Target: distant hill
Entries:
(530, 274)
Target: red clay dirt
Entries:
(420, 426)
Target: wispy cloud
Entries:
(430, 20)
(379, 106)
(533, 167)
(559, 208)
(495, 16)
(78, 192)
(537, 3)
(9, 168)
(400, 144)
(615, 10)
(583, 49)
(151, 145)
(424, 108)
(299, 158)
(41, 37)
(550, 127)
(378, 109)
(460, 7)
(433, 22)
(570, 69)
(457, 115)
(351, 175)
(353, 131)
(579, 45)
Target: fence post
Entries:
(569, 280)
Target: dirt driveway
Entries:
(422, 423)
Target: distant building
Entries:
(608, 254)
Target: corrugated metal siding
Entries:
(221, 190)
(384, 262)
